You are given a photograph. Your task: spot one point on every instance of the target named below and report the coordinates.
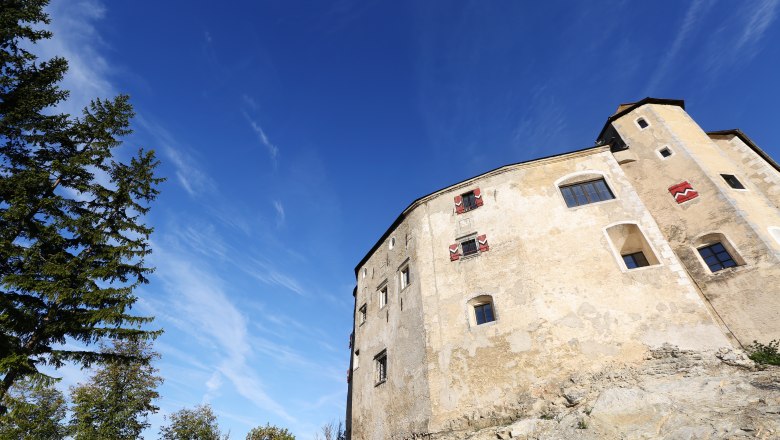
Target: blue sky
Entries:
(293, 133)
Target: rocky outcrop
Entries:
(673, 394)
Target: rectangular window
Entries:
(469, 201)
(383, 296)
(469, 247)
(356, 361)
(362, 313)
(381, 367)
(637, 259)
(732, 181)
(404, 277)
(584, 193)
(665, 152)
(717, 257)
(484, 313)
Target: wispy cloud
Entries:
(249, 101)
(273, 150)
(198, 294)
(279, 213)
(265, 272)
(689, 26)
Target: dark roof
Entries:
(737, 132)
(624, 109)
(403, 213)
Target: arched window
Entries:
(628, 242)
(716, 252)
(583, 188)
(642, 123)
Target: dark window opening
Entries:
(469, 201)
(732, 181)
(717, 257)
(381, 367)
(586, 192)
(665, 152)
(484, 313)
(469, 247)
(642, 123)
(637, 259)
(363, 314)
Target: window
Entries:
(665, 152)
(404, 277)
(469, 247)
(484, 313)
(392, 243)
(381, 367)
(732, 181)
(630, 246)
(362, 314)
(642, 123)
(356, 360)
(583, 193)
(637, 259)
(717, 257)
(365, 271)
(468, 201)
(383, 296)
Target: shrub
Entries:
(765, 353)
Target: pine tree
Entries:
(117, 400)
(36, 412)
(72, 249)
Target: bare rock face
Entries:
(673, 394)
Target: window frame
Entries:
(480, 307)
(472, 199)
(404, 281)
(731, 180)
(582, 183)
(637, 264)
(383, 292)
(363, 313)
(716, 255)
(661, 150)
(380, 362)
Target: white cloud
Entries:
(279, 213)
(273, 150)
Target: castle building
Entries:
(502, 284)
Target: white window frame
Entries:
(383, 294)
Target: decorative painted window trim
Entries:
(683, 192)
(477, 244)
(645, 246)
(468, 201)
(710, 238)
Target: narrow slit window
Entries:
(733, 181)
(362, 314)
(584, 193)
(717, 257)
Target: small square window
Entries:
(405, 277)
(665, 152)
(717, 257)
(469, 247)
(381, 367)
(362, 314)
(637, 259)
(732, 181)
(484, 313)
(383, 296)
(642, 123)
(583, 193)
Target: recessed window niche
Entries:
(630, 246)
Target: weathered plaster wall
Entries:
(562, 297)
(744, 296)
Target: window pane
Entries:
(469, 247)
(629, 260)
(604, 191)
(489, 313)
(580, 194)
(569, 197)
(717, 257)
(591, 193)
(717, 247)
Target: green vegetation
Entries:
(269, 432)
(765, 354)
(36, 411)
(198, 423)
(72, 234)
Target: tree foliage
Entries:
(72, 234)
(198, 423)
(118, 398)
(36, 412)
(269, 432)
(331, 431)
